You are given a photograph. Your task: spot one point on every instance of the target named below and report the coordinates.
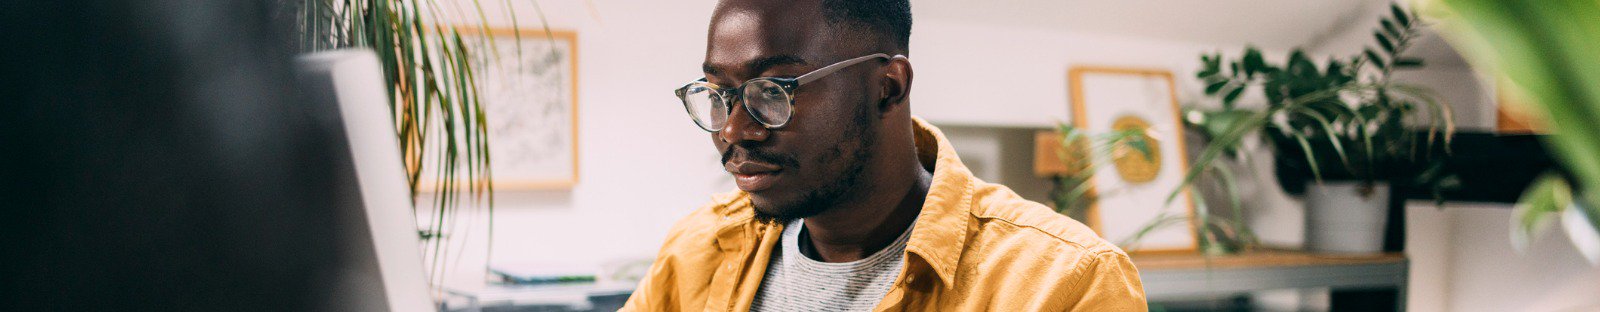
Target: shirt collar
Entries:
(940, 232)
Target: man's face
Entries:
(815, 160)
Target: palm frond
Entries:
(434, 96)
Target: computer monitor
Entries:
(383, 270)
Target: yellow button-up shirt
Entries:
(976, 246)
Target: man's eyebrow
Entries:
(758, 65)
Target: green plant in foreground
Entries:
(1547, 50)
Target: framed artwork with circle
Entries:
(1131, 188)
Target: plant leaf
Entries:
(1233, 95)
(1230, 183)
(1333, 136)
(1384, 42)
(1215, 86)
(1390, 29)
(1406, 62)
(1538, 208)
(1253, 61)
(1376, 60)
(1311, 156)
(1400, 15)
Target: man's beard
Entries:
(830, 195)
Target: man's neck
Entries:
(860, 228)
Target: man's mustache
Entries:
(757, 155)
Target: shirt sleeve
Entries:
(654, 292)
(650, 296)
(1111, 284)
(680, 268)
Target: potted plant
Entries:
(1342, 129)
(434, 99)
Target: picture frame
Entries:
(528, 80)
(1105, 99)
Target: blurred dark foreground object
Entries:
(154, 155)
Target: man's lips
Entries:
(753, 176)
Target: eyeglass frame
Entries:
(788, 85)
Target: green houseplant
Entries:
(1546, 50)
(1082, 154)
(1345, 120)
(433, 98)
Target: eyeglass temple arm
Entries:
(826, 70)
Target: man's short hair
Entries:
(886, 19)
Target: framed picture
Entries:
(1131, 189)
(529, 84)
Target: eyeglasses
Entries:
(770, 100)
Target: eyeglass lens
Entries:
(767, 101)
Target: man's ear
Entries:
(896, 82)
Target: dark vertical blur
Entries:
(154, 156)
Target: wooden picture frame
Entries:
(1104, 97)
(531, 97)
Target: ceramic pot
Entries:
(1341, 217)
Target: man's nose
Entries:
(742, 126)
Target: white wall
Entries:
(1488, 275)
(1008, 76)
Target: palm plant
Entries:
(433, 97)
(1546, 49)
(1083, 154)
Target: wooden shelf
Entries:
(1258, 258)
(1169, 276)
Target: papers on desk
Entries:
(533, 273)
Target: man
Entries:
(847, 202)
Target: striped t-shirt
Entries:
(795, 282)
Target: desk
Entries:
(604, 296)
(1171, 276)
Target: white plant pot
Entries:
(1339, 219)
(1583, 235)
